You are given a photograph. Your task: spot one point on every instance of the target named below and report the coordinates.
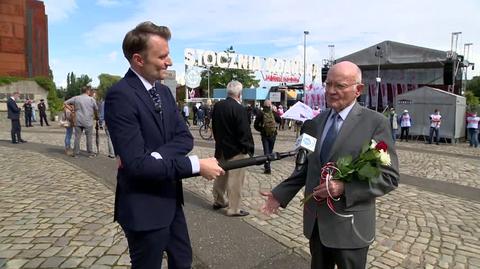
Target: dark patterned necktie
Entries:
(156, 100)
(329, 139)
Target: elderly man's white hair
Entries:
(234, 88)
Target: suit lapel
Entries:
(347, 129)
(143, 95)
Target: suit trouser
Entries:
(43, 117)
(268, 144)
(146, 248)
(326, 258)
(78, 136)
(15, 132)
(231, 182)
(28, 119)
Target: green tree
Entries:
(75, 85)
(106, 81)
(473, 86)
(472, 101)
(219, 78)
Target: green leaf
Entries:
(368, 171)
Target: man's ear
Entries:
(137, 59)
(359, 89)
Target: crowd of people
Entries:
(405, 122)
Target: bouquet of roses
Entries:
(365, 167)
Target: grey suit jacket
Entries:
(360, 126)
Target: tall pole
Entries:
(305, 33)
(466, 52)
(378, 53)
(208, 83)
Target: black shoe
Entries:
(241, 213)
(14, 142)
(216, 206)
(267, 172)
(22, 141)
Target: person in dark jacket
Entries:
(42, 108)
(233, 141)
(266, 123)
(27, 107)
(14, 116)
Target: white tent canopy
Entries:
(299, 111)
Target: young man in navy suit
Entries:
(151, 141)
(14, 116)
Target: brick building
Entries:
(23, 38)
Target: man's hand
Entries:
(271, 205)
(336, 189)
(210, 169)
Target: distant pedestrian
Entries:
(200, 116)
(435, 122)
(233, 141)
(27, 107)
(42, 108)
(472, 126)
(393, 123)
(85, 111)
(266, 124)
(103, 125)
(280, 113)
(34, 109)
(68, 118)
(405, 124)
(194, 111)
(14, 116)
(186, 113)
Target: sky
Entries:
(85, 36)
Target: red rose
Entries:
(381, 146)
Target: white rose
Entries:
(385, 158)
(373, 144)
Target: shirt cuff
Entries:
(195, 164)
(156, 155)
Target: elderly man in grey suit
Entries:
(337, 240)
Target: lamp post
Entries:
(379, 54)
(208, 82)
(305, 33)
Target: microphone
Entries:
(305, 144)
(258, 160)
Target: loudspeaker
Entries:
(448, 73)
(324, 73)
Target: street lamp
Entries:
(305, 33)
(208, 82)
(379, 54)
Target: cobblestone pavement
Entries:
(415, 228)
(54, 216)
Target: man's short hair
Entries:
(86, 89)
(234, 88)
(136, 40)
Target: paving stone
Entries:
(52, 262)
(72, 262)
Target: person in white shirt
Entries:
(186, 113)
(405, 124)
(472, 126)
(435, 122)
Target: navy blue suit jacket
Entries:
(148, 190)
(13, 109)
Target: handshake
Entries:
(210, 168)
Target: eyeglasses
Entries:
(339, 86)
